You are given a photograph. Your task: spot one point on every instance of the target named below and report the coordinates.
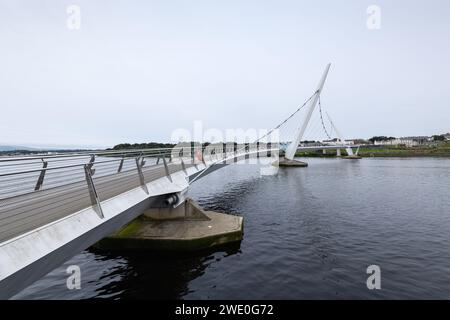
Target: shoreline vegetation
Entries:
(439, 150)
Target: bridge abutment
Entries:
(352, 157)
(283, 162)
(185, 228)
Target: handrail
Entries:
(88, 153)
(149, 152)
(56, 160)
(13, 179)
(84, 154)
(58, 168)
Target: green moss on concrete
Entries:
(140, 235)
(134, 243)
(130, 229)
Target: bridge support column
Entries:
(185, 228)
(338, 152)
(284, 162)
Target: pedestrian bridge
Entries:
(52, 207)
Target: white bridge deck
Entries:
(43, 222)
(57, 206)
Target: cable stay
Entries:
(278, 126)
(323, 124)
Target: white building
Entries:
(406, 141)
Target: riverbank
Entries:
(441, 150)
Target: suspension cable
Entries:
(321, 119)
(288, 118)
(264, 136)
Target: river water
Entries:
(310, 233)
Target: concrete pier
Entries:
(185, 228)
(283, 162)
(352, 157)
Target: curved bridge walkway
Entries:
(54, 206)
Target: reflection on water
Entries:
(309, 233)
(159, 276)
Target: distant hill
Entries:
(148, 145)
(13, 148)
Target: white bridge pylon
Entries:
(292, 147)
(341, 139)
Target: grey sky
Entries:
(137, 70)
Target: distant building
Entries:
(447, 136)
(406, 141)
(310, 143)
(330, 142)
(356, 141)
(349, 142)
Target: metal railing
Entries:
(19, 175)
(35, 191)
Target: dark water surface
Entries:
(309, 233)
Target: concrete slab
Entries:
(283, 162)
(353, 157)
(183, 234)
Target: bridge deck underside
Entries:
(23, 213)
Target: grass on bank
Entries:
(435, 150)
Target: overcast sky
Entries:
(138, 70)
